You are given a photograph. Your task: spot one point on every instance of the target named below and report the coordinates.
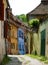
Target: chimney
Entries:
(45, 2)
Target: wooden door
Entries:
(43, 36)
(21, 46)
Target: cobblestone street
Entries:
(23, 60)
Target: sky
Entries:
(23, 6)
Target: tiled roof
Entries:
(41, 9)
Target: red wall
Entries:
(1, 10)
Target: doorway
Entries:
(43, 36)
(21, 45)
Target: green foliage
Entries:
(22, 17)
(5, 60)
(34, 23)
(41, 58)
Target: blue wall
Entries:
(21, 45)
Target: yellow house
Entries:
(13, 24)
(14, 42)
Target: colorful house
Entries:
(9, 26)
(11, 33)
(40, 44)
(14, 33)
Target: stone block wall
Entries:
(2, 40)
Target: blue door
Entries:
(21, 46)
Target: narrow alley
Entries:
(23, 60)
(23, 33)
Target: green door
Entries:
(43, 35)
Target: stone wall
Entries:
(42, 27)
(47, 39)
(37, 39)
(36, 45)
(2, 41)
(28, 41)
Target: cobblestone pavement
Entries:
(14, 61)
(23, 60)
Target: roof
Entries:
(41, 9)
(44, 0)
(14, 20)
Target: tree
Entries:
(34, 24)
(22, 17)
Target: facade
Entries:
(2, 41)
(9, 26)
(3, 6)
(28, 40)
(43, 38)
(11, 33)
(13, 39)
(40, 39)
(15, 42)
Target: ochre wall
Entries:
(14, 39)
